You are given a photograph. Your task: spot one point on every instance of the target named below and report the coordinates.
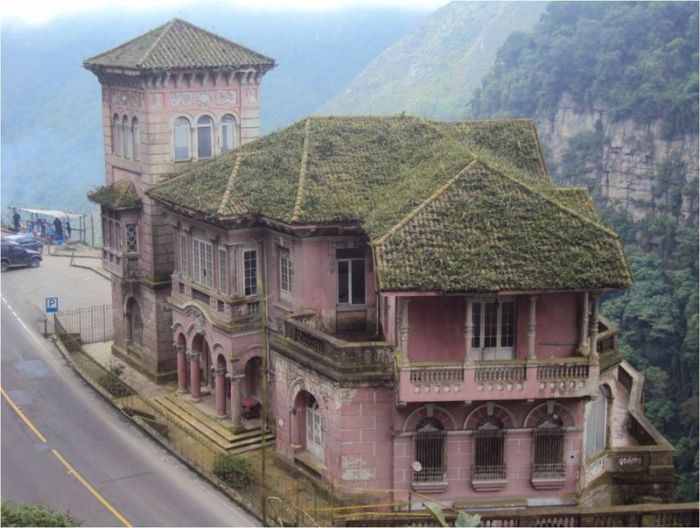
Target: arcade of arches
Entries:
(202, 371)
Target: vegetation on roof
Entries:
(178, 44)
(489, 232)
(378, 171)
(118, 195)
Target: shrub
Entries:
(235, 470)
(34, 515)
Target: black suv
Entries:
(14, 255)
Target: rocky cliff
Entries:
(624, 163)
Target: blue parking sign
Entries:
(51, 304)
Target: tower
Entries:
(172, 98)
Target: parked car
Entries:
(15, 255)
(26, 240)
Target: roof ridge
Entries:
(223, 39)
(157, 40)
(425, 202)
(302, 172)
(551, 200)
(229, 183)
(123, 45)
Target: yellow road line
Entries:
(100, 498)
(23, 417)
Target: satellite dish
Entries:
(417, 466)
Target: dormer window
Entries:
(181, 139)
(205, 137)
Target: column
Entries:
(593, 336)
(532, 328)
(583, 345)
(403, 326)
(468, 332)
(220, 390)
(195, 389)
(236, 398)
(181, 368)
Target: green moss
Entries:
(435, 224)
(118, 195)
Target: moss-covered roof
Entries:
(178, 45)
(118, 195)
(447, 206)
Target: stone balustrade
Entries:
(511, 380)
(335, 357)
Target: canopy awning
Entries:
(56, 213)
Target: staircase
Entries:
(213, 428)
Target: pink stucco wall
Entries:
(436, 329)
(459, 450)
(558, 325)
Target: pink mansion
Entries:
(425, 298)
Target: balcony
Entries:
(503, 380)
(339, 359)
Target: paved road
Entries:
(93, 462)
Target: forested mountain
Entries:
(52, 149)
(433, 70)
(614, 89)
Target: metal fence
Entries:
(92, 323)
(304, 505)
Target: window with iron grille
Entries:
(132, 238)
(202, 262)
(489, 451)
(493, 330)
(549, 450)
(429, 442)
(223, 270)
(285, 274)
(250, 272)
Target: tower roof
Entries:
(178, 45)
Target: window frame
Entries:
(186, 125)
(430, 430)
(480, 352)
(225, 124)
(128, 138)
(203, 274)
(490, 432)
(135, 228)
(200, 126)
(285, 268)
(250, 289)
(136, 138)
(350, 261)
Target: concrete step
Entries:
(211, 427)
(212, 422)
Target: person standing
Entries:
(58, 227)
(16, 220)
(68, 228)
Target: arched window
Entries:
(137, 137)
(205, 139)
(134, 324)
(228, 133)
(115, 134)
(128, 139)
(120, 137)
(489, 451)
(314, 428)
(596, 424)
(181, 139)
(548, 440)
(429, 442)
